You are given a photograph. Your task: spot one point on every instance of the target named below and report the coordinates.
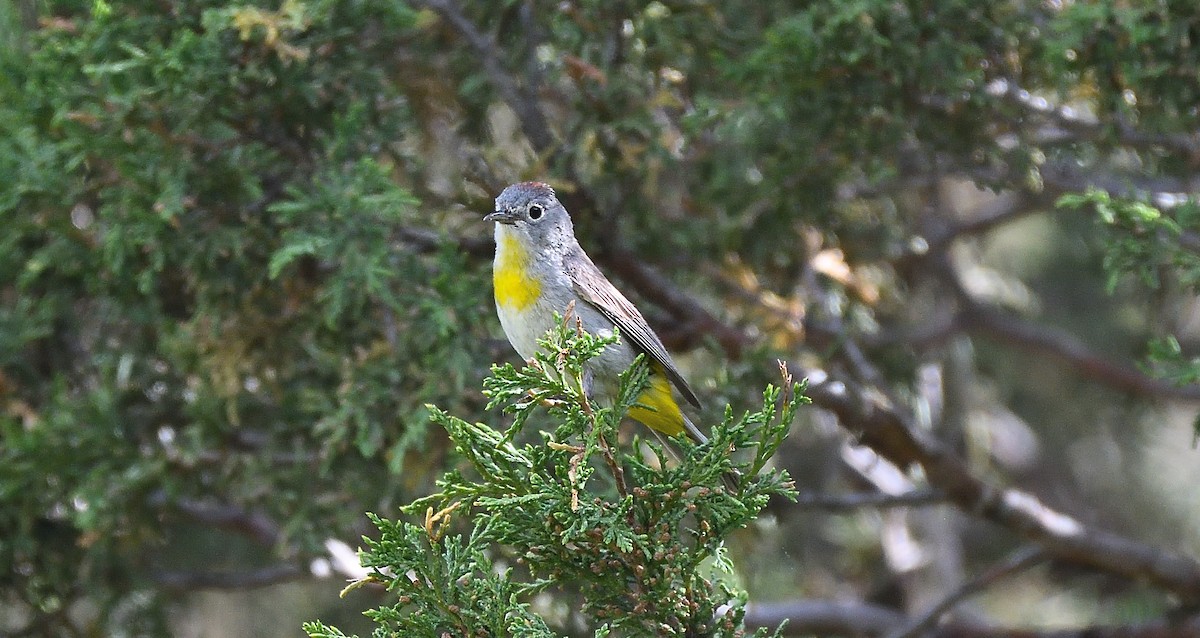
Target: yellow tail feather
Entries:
(661, 412)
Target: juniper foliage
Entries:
(637, 535)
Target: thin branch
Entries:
(863, 500)
(1077, 125)
(1052, 342)
(254, 524)
(886, 430)
(841, 618)
(980, 318)
(427, 241)
(1067, 176)
(1007, 207)
(696, 318)
(1060, 176)
(1001, 210)
(1041, 341)
(1047, 122)
(1018, 561)
(250, 579)
(823, 617)
(614, 467)
(518, 98)
(930, 333)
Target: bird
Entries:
(540, 270)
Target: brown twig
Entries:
(427, 241)
(254, 524)
(842, 618)
(610, 459)
(1051, 342)
(520, 99)
(695, 318)
(1041, 341)
(977, 317)
(1005, 208)
(1017, 561)
(249, 579)
(886, 430)
(823, 617)
(1075, 125)
(863, 500)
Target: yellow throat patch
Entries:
(514, 288)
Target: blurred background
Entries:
(243, 248)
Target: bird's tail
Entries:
(693, 431)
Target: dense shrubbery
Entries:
(241, 253)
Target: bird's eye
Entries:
(535, 212)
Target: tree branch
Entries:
(823, 617)
(879, 425)
(1058, 344)
(1007, 207)
(839, 618)
(425, 240)
(685, 309)
(1018, 561)
(251, 523)
(1075, 125)
(979, 318)
(254, 524)
(250, 579)
(861, 500)
(518, 98)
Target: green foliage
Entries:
(203, 298)
(639, 537)
(1142, 240)
(1128, 53)
(444, 584)
(209, 291)
(1167, 360)
(1167, 355)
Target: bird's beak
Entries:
(501, 217)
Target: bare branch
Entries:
(426, 241)
(862, 500)
(980, 318)
(254, 524)
(696, 319)
(1047, 341)
(520, 99)
(250, 579)
(1041, 341)
(1067, 123)
(840, 618)
(1009, 206)
(823, 617)
(1018, 561)
(1048, 122)
(881, 426)
(1066, 176)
